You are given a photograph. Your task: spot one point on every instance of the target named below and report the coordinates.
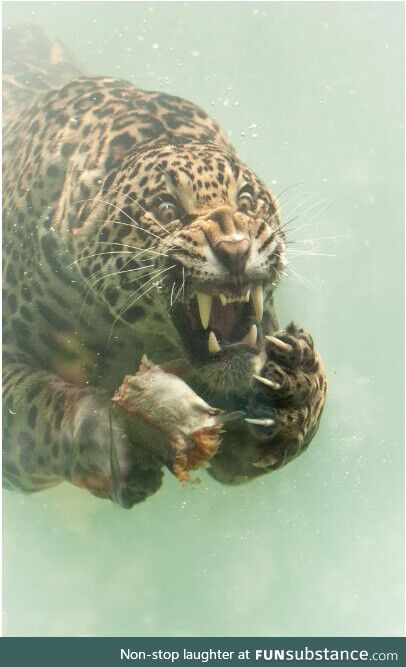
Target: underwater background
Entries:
(312, 96)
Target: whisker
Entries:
(303, 201)
(313, 242)
(285, 225)
(93, 284)
(308, 254)
(291, 187)
(134, 224)
(131, 304)
(292, 252)
(133, 247)
(143, 209)
(99, 254)
(154, 274)
(183, 281)
(94, 273)
(119, 222)
(121, 272)
(124, 306)
(297, 275)
(123, 310)
(173, 287)
(314, 217)
(116, 252)
(306, 195)
(177, 295)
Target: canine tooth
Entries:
(251, 337)
(247, 296)
(258, 301)
(268, 383)
(204, 303)
(223, 299)
(213, 343)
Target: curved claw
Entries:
(283, 347)
(260, 422)
(268, 383)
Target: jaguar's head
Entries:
(211, 228)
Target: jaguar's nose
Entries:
(233, 251)
(228, 237)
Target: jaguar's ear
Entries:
(145, 365)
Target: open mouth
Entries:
(217, 323)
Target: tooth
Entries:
(258, 301)
(251, 337)
(204, 303)
(213, 343)
(247, 296)
(223, 299)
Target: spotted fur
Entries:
(96, 274)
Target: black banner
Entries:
(188, 651)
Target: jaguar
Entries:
(140, 261)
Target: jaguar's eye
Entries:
(246, 202)
(167, 212)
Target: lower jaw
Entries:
(230, 371)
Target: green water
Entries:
(311, 94)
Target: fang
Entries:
(213, 343)
(258, 301)
(204, 303)
(251, 337)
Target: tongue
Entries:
(223, 318)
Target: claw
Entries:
(269, 383)
(284, 347)
(260, 422)
(266, 461)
